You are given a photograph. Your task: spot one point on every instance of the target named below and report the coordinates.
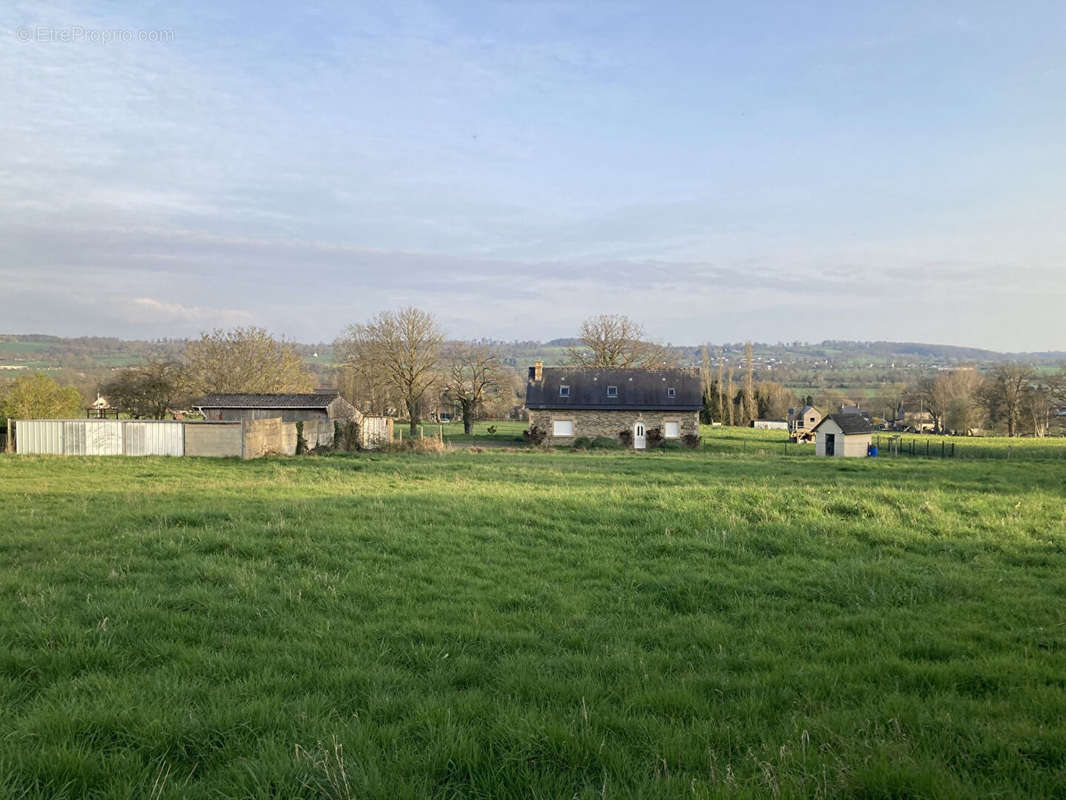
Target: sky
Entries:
(774, 171)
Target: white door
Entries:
(640, 436)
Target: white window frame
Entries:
(564, 391)
(666, 430)
(566, 422)
(614, 394)
(671, 392)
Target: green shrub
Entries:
(655, 437)
(535, 435)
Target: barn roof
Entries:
(849, 423)
(315, 400)
(637, 389)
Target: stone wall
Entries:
(263, 436)
(213, 439)
(611, 423)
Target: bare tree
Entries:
(773, 400)
(1039, 405)
(245, 360)
(749, 409)
(612, 340)
(732, 395)
(721, 386)
(1005, 393)
(402, 348)
(472, 375)
(148, 391)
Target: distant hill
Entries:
(40, 351)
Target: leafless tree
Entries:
(612, 340)
(401, 348)
(721, 386)
(1039, 406)
(773, 400)
(472, 375)
(749, 409)
(245, 360)
(148, 391)
(731, 393)
(1005, 393)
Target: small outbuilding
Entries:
(843, 435)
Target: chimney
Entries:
(536, 372)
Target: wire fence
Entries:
(1040, 449)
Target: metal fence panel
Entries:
(92, 437)
(154, 438)
(39, 436)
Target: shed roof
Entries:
(315, 400)
(848, 423)
(637, 389)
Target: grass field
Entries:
(532, 625)
(763, 442)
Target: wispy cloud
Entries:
(515, 167)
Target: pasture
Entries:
(733, 623)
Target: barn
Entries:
(317, 411)
(329, 406)
(843, 435)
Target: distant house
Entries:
(802, 421)
(633, 406)
(843, 435)
(855, 410)
(317, 406)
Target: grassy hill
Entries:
(731, 623)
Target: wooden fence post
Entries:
(9, 445)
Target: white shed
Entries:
(843, 435)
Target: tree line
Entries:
(400, 363)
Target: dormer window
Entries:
(671, 392)
(612, 391)
(564, 391)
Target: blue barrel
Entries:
(871, 451)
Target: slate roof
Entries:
(638, 389)
(315, 400)
(849, 423)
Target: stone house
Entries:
(636, 407)
(843, 435)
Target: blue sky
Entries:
(718, 171)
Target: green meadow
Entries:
(732, 622)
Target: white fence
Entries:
(100, 437)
